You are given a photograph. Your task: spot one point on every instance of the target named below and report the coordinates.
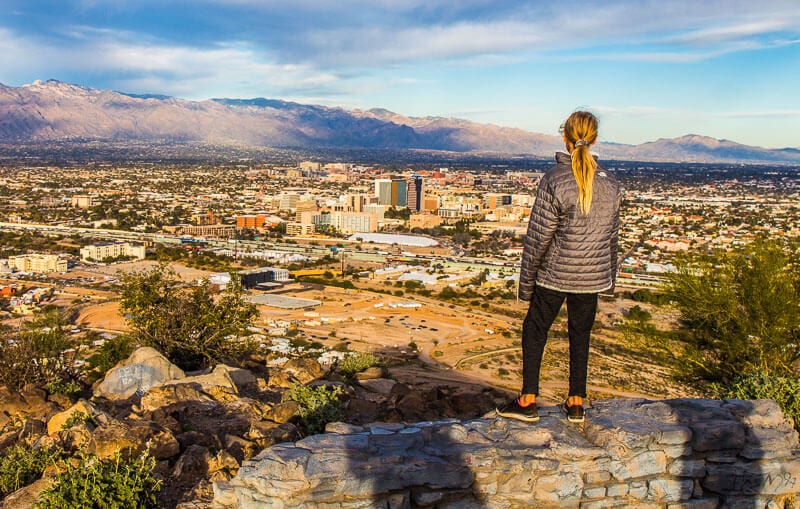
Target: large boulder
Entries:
(131, 438)
(26, 497)
(219, 385)
(244, 380)
(173, 397)
(303, 370)
(145, 368)
(112, 438)
(29, 402)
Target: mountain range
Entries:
(53, 111)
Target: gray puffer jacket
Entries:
(565, 249)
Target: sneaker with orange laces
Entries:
(516, 410)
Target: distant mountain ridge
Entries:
(56, 111)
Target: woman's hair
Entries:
(580, 130)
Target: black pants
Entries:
(545, 304)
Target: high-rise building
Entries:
(383, 190)
(302, 206)
(288, 201)
(415, 193)
(399, 192)
(355, 202)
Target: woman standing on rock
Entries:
(570, 254)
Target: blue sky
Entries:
(650, 68)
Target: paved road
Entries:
(462, 263)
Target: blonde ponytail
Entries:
(580, 131)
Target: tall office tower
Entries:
(383, 190)
(415, 193)
(399, 192)
(355, 202)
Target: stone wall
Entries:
(683, 453)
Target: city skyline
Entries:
(648, 69)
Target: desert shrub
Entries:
(649, 297)
(318, 406)
(77, 418)
(412, 285)
(448, 293)
(109, 354)
(21, 465)
(34, 353)
(638, 314)
(740, 310)
(66, 387)
(191, 326)
(95, 483)
(784, 390)
(356, 363)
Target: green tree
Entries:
(192, 326)
(740, 310)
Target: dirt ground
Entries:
(453, 342)
(185, 273)
(458, 340)
(104, 317)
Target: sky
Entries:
(649, 69)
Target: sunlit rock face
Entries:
(630, 453)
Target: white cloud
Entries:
(787, 113)
(149, 67)
(638, 111)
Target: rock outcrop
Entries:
(682, 453)
(145, 368)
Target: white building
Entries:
(99, 252)
(354, 222)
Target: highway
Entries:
(350, 254)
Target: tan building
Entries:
(214, 230)
(430, 203)
(304, 206)
(37, 263)
(309, 166)
(82, 201)
(100, 252)
(299, 229)
(424, 221)
(355, 202)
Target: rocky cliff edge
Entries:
(681, 453)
